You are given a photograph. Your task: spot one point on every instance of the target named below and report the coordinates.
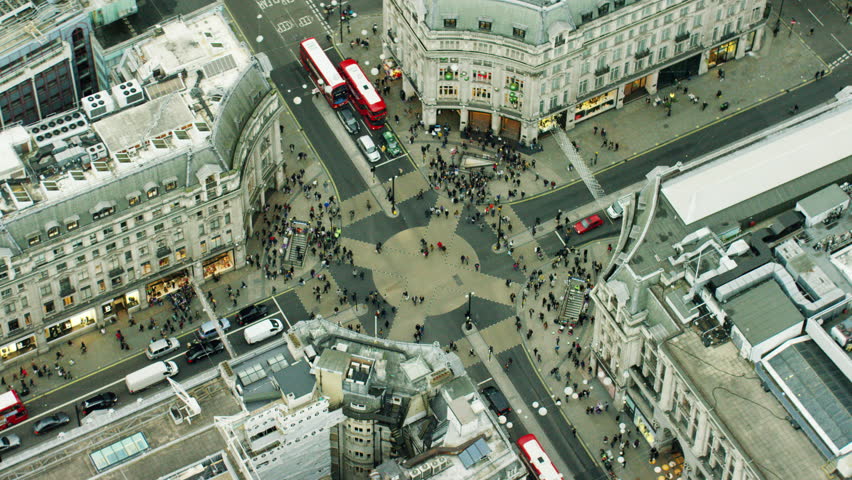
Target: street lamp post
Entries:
(499, 226)
(393, 194)
(468, 317)
(778, 22)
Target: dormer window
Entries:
(485, 25)
(170, 184)
(519, 32)
(152, 192)
(53, 231)
(559, 40)
(34, 240)
(449, 23)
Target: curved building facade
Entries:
(523, 67)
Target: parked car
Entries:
(161, 347)
(349, 120)
(368, 148)
(200, 350)
(207, 330)
(51, 422)
(392, 147)
(589, 223)
(99, 402)
(9, 442)
(252, 313)
(496, 400)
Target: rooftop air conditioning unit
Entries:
(128, 94)
(97, 152)
(98, 105)
(57, 128)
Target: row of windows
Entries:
(73, 223)
(485, 25)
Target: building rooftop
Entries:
(814, 382)
(19, 19)
(756, 421)
(825, 199)
(762, 312)
(762, 166)
(147, 15)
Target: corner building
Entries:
(524, 67)
(148, 186)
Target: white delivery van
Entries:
(145, 377)
(262, 330)
(616, 210)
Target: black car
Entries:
(200, 350)
(496, 400)
(51, 422)
(252, 313)
(99, 402)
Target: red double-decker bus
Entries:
(12, 410)
(326, 78)
(363, 95)
(537, 459)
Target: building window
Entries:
(663, 54)
(146, 268)
(519, 32)
(203, 246)
(68, 301)
(171, 185)
(103, 213)
(153, 192)
(49, 307)
(101, 286)
(134, 200)
(180, 253)
(86, 292)
(559, 40)
(583, 88)
(159, 228)
(34, 240)
(13, 325)
(178, 235)
(478, 92)
(164, 262)
(52, 232)
(481, 76)
(9, 308)
(448, 91)
(485, 25)
(72, 225)
(449, 23)
(6, 293)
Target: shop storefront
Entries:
(392, 70)
(166, 285)
(547, 124)
(510, 129)
(635, 89)
(595, 105)
(219, 264)
(480, 121)
(722, 53)
(79, 321)
(681, 70)
(18, 347)
(642, 424)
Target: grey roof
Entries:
(541, 19)
(762, 312)
(295, 379)
(474, 453)
(136, 125)
(820, 386)
(36, 219)
(824, 200)
(459, 387)
(333, 360)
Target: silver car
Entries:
(9, 442)
(161, 347)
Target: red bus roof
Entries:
(331, 76)
(8, 399)
(359, 81)
(538, 458)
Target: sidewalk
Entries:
(591, 428)
(103, 349)
(636, 128)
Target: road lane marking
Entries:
(485, 381)
(816, 18)
(389, 161)
(841, 44)
(278, 306)
(559, 237)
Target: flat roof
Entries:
(769, 163)
(728, 385)
(818, 389)
(826, 199)
(762, 312)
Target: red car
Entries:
(589, 223)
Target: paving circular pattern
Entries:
(401, 267)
